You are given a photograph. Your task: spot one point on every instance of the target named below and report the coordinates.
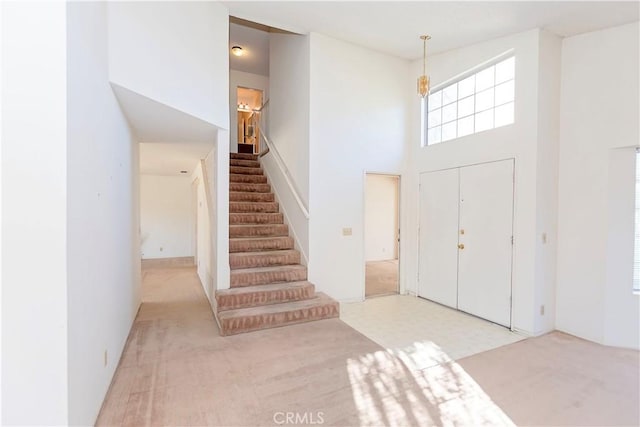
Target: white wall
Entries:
(103, 288)
(34, 209)
(217, 168)
(173, 52)
(166, 216)
(212, 174)
(203, 235)
(550, 47)
(357, 125)
(595, 222)
(242, 79)
(288, 111)
(381, 218)
(519, 141)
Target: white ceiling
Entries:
(395, 27)
(255, 45)
(171, 158)
(170, 140)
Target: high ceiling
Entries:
(394, 27)
(255, 45)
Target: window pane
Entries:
(450, 112)
(433, 136)
(504, 92)
(435, 100)
(434, 117)
(504, 115)
(484, 120)
(505, 70)
(466, 87)
(465, 126)
(484, 79)
(465, 106)
(448, 131)
(449, 94)
(484, 100)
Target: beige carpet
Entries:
(381, 278)
(177, 370)
(560, 380)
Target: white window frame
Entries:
(424, 107)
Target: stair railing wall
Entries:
(293, 207)
(271, 148)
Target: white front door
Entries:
(438, 263)
(486, 229)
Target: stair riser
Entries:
(245, 171)
(237, 261)
(267, 277)
(237, 196)
(274, 320)
(248, 187)
(259, 231)
(243, 156)
(254, 299)
(252, 179)
(244, 163)
(255, 218)
(260, 245)
(239, 207)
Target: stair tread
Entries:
(257, 237)
(254, 225)
(319, 299)
(268, 269)
(266, 253)
(264, 288)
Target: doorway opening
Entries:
(248, 114)
(382, 234)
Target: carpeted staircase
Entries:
(269, 286)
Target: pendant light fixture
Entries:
(423, 80)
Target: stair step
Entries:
(246, 163)
(275, 315)
(237, 207)
(249, 187)
(253, 179)
(258, 230)
(245, 171)
(253, 244)
(241, 196)
(267, 275)
(240, 260)
(243, 156)
(256, 218)
(252, 296)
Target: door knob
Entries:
(461, 246)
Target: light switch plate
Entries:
(347, 231)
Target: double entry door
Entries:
(466, 239)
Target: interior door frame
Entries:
(401, 288)
(513, 228)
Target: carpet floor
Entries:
(177, 370)
(381, 278)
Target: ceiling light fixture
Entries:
(423, 80)
(237, 51)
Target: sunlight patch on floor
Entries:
(385, 388)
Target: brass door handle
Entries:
(461, 246)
